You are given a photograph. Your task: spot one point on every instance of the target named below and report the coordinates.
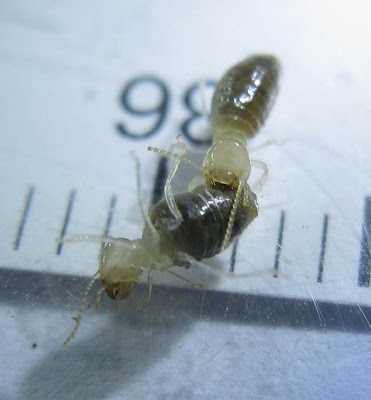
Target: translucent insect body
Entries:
(202, 222)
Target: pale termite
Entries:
(203, 221)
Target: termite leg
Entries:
(120, 242)
(175, 156)
(196, 181)
(168, 190)
(97, 298)
(232, 275)
(169, 296)
(145, 216)
(263, 166)
(268, 143)
(186, 281)
(265, 144)
(149, 293)
(117, 302)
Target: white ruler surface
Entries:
(80, 90)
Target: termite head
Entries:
(226, 162)
(118, 271)
(122, 263)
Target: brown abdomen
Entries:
(245, 95)
(205, 213)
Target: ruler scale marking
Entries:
(111, 210)
(66, 220)
(279, 243)
(323, 248)
(233, 256)
(160, 180)
(364, 269)
(25, 213)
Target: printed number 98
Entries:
(160, 110)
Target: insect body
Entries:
(244, 97)
(240, 105)
(202, 222)
(197, 224)
(205, 213)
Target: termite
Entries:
(205, 220)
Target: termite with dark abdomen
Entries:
(202, 222)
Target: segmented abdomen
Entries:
(245, 94)
(205, 213)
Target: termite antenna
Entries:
(232, 216)
(81, 310)
(175, 156)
